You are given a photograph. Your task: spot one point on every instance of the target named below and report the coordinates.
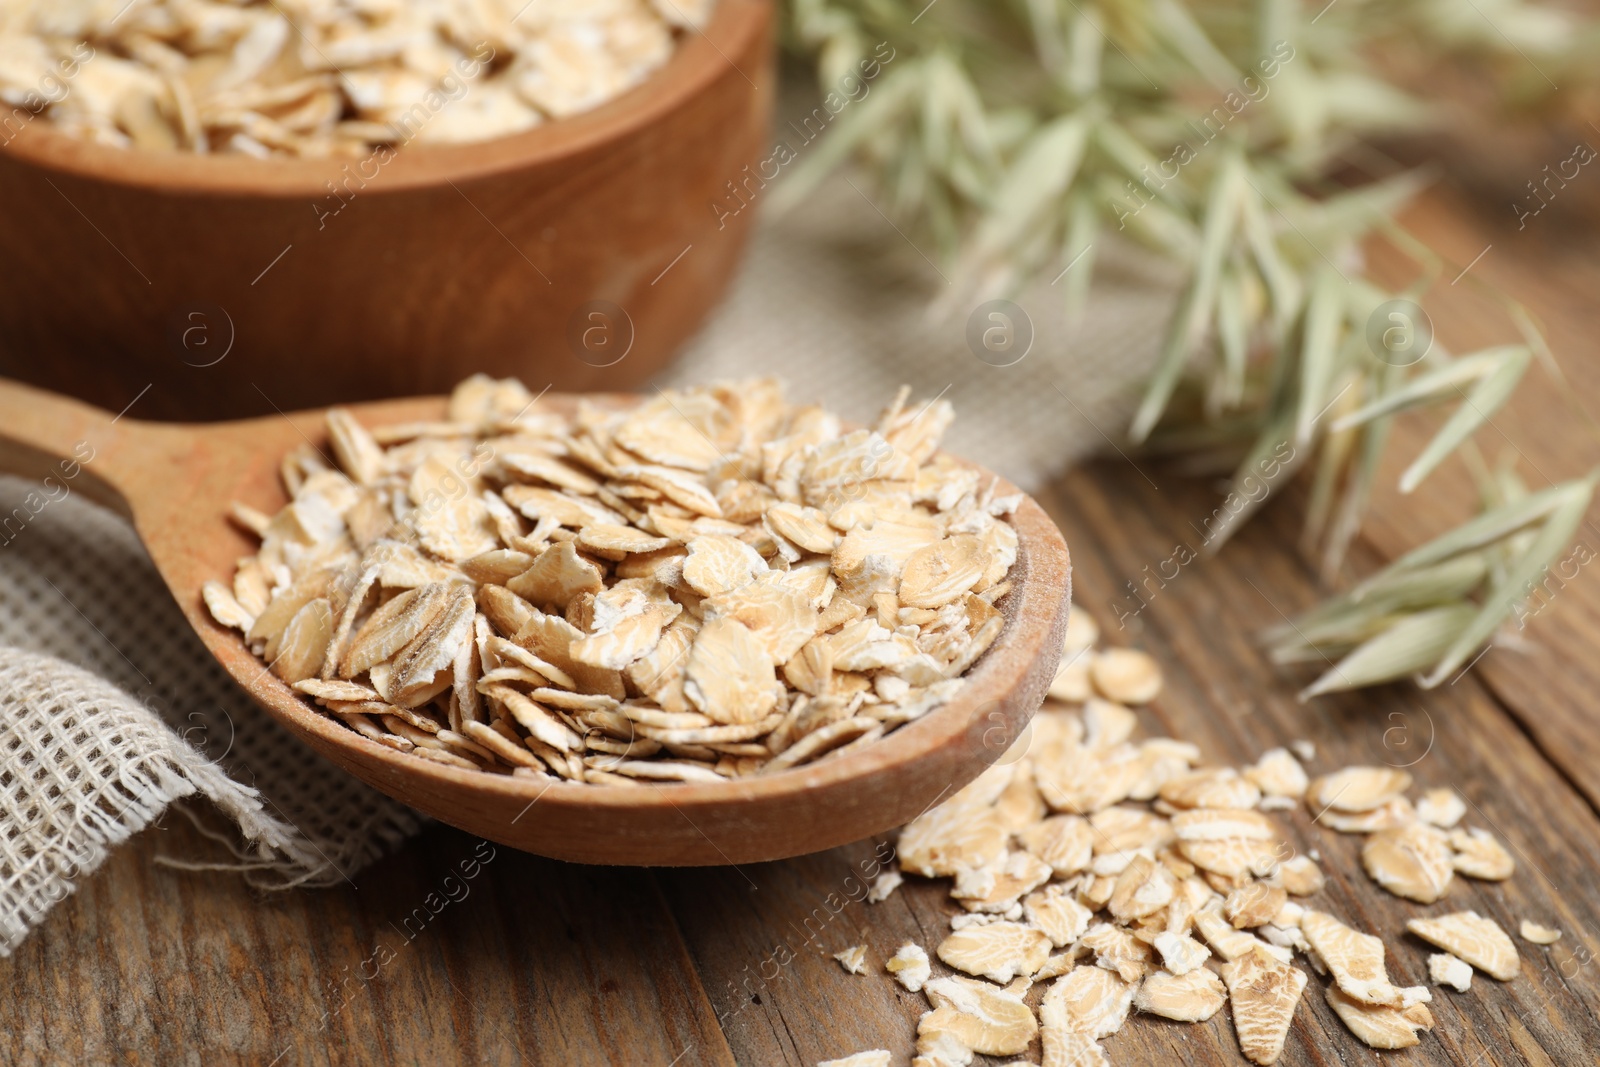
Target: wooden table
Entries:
(541, 962)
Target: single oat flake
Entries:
(1354, 959)
(1412, 861)
(1441, 807)
(1278, 774)
(1380, 1026)
(1448, 970)
(1539, 935)
(1180, 953)
(701, 588)
(1264, 992)
(1473, 938)
(1192, 997)
(1065, 1048)
(1126, 675)
(996, 951)
(853, 959)
(910, 967)
(884, 886)
(1254, 905)
(1479, 855)
(1357, 789)
(983, 1018)
(1088, 1000)
(877, 1057)
(1057, 914)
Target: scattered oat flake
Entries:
(1446, 969)
(910, 966)
(1254, 905)
(1106, 723)
(1221, 787)
(1278, 774)
(1062, 1048)
(983, 1018)
(1264, 992)
(1235, 858)
(1355, 959)
(1071, 682)
(1226, 941)
(1223, 824)
(1000, 884)
(1441, 807)
(937, 1044)
(950, 839)
(1300, 876)
(1082, 630)
(1054, 911)
(1065, 842)
(1116, 949)
(1473, 938)
(1380, 1026)
(1144, 887)
(1412, 861)
(1146, 874)
(1391, 815)
(853, 959)
(1539, 935)
(1192, 997)
(884, 885)
(1126, 675)
(997, 951)
(1127, 829)
(872, 1058)
(1180, 953)
(1356, 789)
(1478, 854)
(1087, 1000)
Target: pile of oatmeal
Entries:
(324, 77)
(714, 583)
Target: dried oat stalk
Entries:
(1019, 140)
(1427, 614)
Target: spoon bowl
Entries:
(175, 483)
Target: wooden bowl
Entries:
(234, 286)
(176, 482)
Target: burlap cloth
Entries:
(110, 708)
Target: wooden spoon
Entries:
(175, 482)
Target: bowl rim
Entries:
(700, 58)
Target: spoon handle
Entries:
(67, 445)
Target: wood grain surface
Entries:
(542, 962)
